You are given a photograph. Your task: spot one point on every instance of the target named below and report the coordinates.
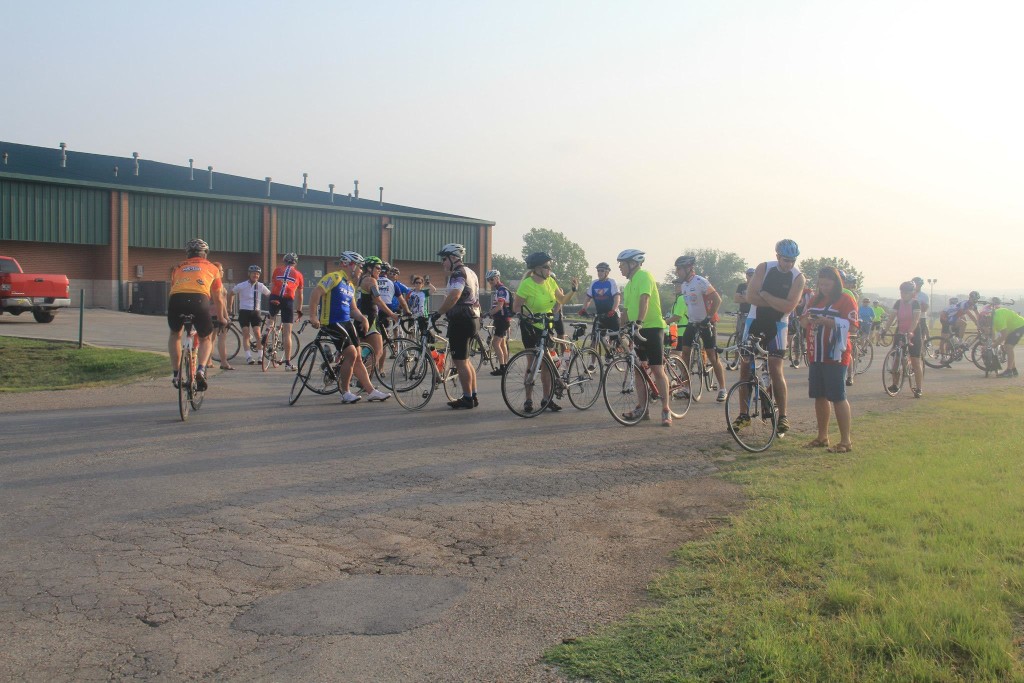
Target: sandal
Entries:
(841, 448)
(227, 367)
(817, 443)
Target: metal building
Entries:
(110, 223)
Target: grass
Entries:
(31, 365)
(901, 561)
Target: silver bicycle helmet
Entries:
(255, 269)
(350, 257)
(452, 249)
(634, 255)
(196, 246)
(291, 258)
(686, 261)
(492, 273)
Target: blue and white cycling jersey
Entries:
(400, 290)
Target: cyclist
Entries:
(371, 305)
(607, 297)
(643, 304)
(965, 309)
(740, 297)
(922, 300)
(867, 319)
(393, 293)
(250, 294)
(220, 325)
(331, 308)
(906, 315)
(400, 301)
(540, 293)
(879, 320)
(1007, 327)
(773, 293)
(702, 302)
(501, 314)
(680, 317)
(286, 298)
(948, 315)
(461, 306)
(193, 281)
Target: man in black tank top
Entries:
(774, 292)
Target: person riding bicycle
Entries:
(195, 285)
(774, 292)
(702, 302)
(1007, 329)
(250, 296)
(372, 305)
(607, 298)
(461, 307)
(906, 315)
(286, 285)
(501, 314)
(540, 293)
(965, 310)
(332, 309)
(643, 305)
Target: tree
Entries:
(723, 269)
(569, 257)
(511, 267)
(811, 266)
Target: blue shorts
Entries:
(776, 333)
(827, 380)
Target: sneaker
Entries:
(349, 397)
(289, 366)
(476, 401)
(682, 393)
(1015, 372)
(498, 372)
(201, 381)
(552, 406)
(849, 382)
(740, 422)
(721, 396)
(917, 393)
(377, 395)
(783, 426)
(1006, 373)
(666, 418)
(461, 402)
(249, 360)
(175, 381)
(527, 406)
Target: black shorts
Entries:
(914, 347)
(196, 305)
(286, 307)
(460, 331)
(342, 334)
(652, 349)
(707, 335)
(250, 318)
(530, 334)
(1014, 337)
(606, 323)
(501, 326)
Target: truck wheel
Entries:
(43, 316)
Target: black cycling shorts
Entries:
(1014, 337)
(460, 331)
(342, 334)
(249, 318)
(530, 334)
(286, 307)
(607, 323)
(707, 335)
(501, 326)
(652, 349)
(196, 305)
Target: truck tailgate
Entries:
(34, 285)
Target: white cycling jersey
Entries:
(250, 295)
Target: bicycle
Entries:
(533, 370)
(608, 341)
(798, 349)
(751, 415)
(271, 335)
(629, 387)
(731, 360)
(415, 364)
(863, 354)
(897, 368)
(189, 395)
(700, 369)
(940, 352)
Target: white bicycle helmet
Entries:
(631, 255)
(492, 273)
(453, 249)
(290, 257)
(350, 257)
(196, 246)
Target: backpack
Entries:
(990, 359)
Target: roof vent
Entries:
(115, 171)
(210, 169)
(305, 185)
(191, 170)
(357, 189)
(5, 158)
(135, 155)
(63, 155)
(332, 192)
(268, 185)
(381, 188)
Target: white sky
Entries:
(886, 132)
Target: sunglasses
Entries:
(783, 259)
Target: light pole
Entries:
(931, 295)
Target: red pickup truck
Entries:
(41, 294)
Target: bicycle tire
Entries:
(296, 345)
(450, 378)
(892, 360)
(759, 434)
(195, 396)
(584, 379)
(937, 353)
(678, 383)
(625, 390)
(866, 355)
(885, 338)
(269, 350)
(413, 378)
(696, 371)
(395, 346)
(477, 352)
(303, 371)
(184, 385)
(518, 385)
(730, 358)
(710, 381)
(232, 344)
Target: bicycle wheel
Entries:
(885, 338)
(195, 396)
(369, 361)
(184, 385)
(796, 354)
(978, 354)
(584, 382)
(412, 378)
(731, 358)
(522, 385)
(269, 350)
(696, 372)
(477, 352)
(303, 372)
(450, 378)
(710, 381)
(757, 430)
(893, 361)
(296, 345)
(232, 343)
(937, 353)
(625, 391)
(678, 387)
(865, 355)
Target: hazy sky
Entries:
(886, 132)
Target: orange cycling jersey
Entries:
(195, 276)
(284, 281)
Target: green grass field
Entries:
(31, 365)
(901, 561)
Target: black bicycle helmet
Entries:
(686, 261)
(255, 269)
(291, 258)
(196, 247)
(603, 266)
(537, 259)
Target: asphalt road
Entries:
(260, 541)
